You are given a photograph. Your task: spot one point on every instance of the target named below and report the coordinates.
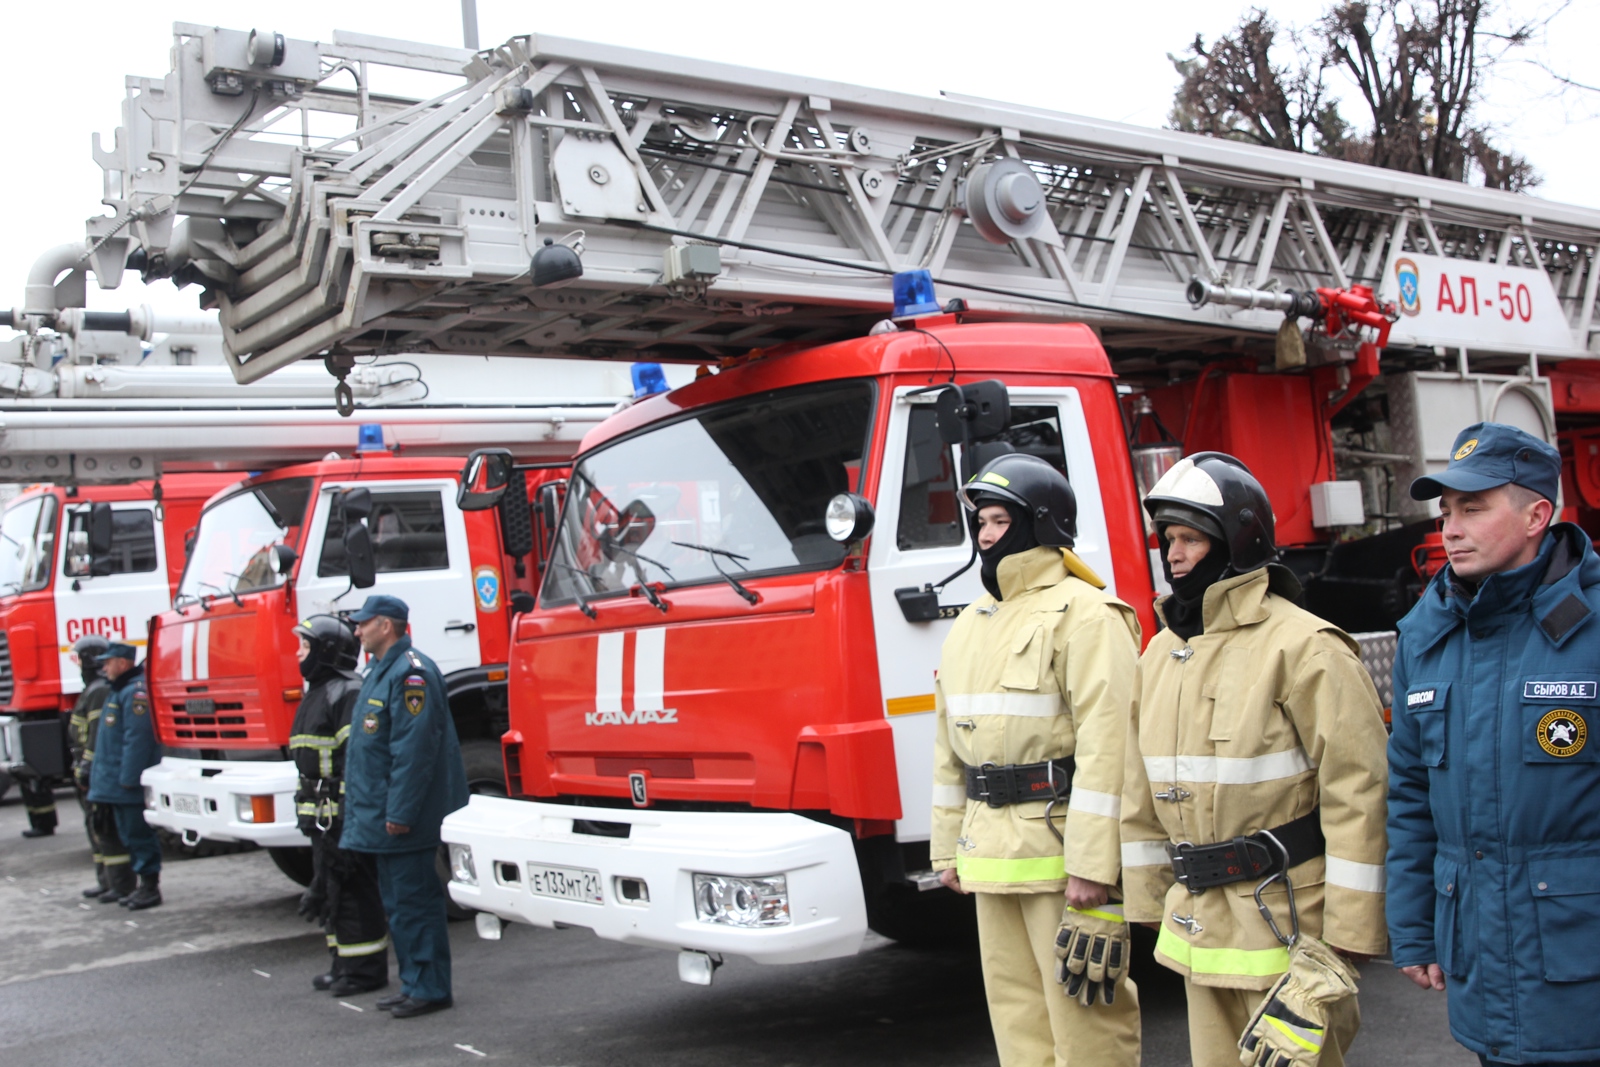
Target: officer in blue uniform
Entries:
(125, 745)
(403, 774)
(1494, 769)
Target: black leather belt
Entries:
(1246, 859)
(1015, 783)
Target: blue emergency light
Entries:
(648, 380)
(369, 437)
(913, 294)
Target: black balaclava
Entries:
(312, 669)
(1019, 538)
(90, 669)
(1183, 609)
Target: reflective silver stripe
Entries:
(1144, 854)
(366, 948)
(1227, 770)
(1025, 705)
(949, 796)
(1107, 804)
(1348, 874)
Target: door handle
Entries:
(464, 627)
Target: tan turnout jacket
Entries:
(1252, 724)
(1047, 672)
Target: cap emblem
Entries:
(1466, 449)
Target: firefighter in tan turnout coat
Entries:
(1032, 704)
(1258, 732)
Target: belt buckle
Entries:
(1178, 856)
(998, 795)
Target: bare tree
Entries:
(1234, 89)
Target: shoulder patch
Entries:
(141, 705)
(415, 680)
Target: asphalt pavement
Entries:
(220, 974)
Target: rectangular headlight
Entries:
(747, 902)
(462, 868)
(243, 808)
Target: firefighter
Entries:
(124, 746)
(1032, 701)
(343, 896)
(403, 775)
(1494, 809)
(112, 873)
(1252, 810)
(39, 801)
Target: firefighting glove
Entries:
(1093, 948)
(1290, 1026)
(312, 902)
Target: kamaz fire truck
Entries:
(727, 746)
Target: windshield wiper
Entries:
(236, 601)
(638, 572)
(738, 586)
(583, 601)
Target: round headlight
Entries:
(848, 518)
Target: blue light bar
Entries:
(913, 294)
(648, 380)
(369, 437)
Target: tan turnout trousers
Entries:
(1218, 1016)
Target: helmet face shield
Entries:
(1216, 494)
(333, 645)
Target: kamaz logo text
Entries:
(630, 718)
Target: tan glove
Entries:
(1093, 947)
(1289, 1027)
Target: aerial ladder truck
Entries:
(721, 712)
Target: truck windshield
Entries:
(27, 545)
(739, 488)
(230, 548)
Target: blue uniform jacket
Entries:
(1494, 803)
(403, 763)
(126, 743)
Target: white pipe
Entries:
(40, 296)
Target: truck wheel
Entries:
(938, 918)
(294, 862)
(486, 776)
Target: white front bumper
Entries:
(216, 786)
(664, 849)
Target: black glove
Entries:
(311, 903)
(104, 820)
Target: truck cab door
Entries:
(419, 542)
(922, 536)
(113, 593)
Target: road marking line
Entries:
(347, 1004)
(263, 974)
(469, 1048)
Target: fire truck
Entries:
(316, 538)
(95, 559)
(726, 748)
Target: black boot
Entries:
(148, 895)
(119, 883)
(39, 831)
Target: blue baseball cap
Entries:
(391, 607)
(118, 650)
(1490, 454)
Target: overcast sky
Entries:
(64, 65)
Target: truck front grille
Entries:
(6, 686)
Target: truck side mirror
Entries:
(359, 557)
(976, 410)
(356, 504)
(484, 479)
(550, 497)
(100, 529)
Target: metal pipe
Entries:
(469, 24)
(40, 295)
(1289, 301)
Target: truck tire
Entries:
(486, 776)
(294, 862)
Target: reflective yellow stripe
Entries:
(111, 861)
(366, 948)
(305, 809)
(333, 942)
(1254, 962)
(1032, 869)
(49, 809)
(1293, 1034)
(1111, 913)
(342, 736)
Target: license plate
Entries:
(200, 706)
(566, 883)
(184, 804)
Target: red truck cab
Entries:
(723, 714)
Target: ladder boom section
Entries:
(719, 208)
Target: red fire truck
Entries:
(95, 559)
(313, 538)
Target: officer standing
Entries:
(1254, 780)
(1032, 702)
(1494, 795)
(112, 873)
(403, 775)
(343, 896)
(124, 746)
